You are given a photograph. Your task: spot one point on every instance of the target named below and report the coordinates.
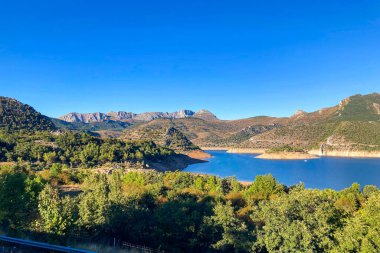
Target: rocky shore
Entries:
(347, 153)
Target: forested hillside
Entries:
(168, 137)
(45, 150)
(15, 115)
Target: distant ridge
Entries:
(75, 117)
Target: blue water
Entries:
(326, 172)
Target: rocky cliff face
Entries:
(121, 116)
(134, 117)
(85, 117)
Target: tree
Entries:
(301, 221)
(350, 199)
(55, 169)
(107, 153)
(262, 188)
(362, 232)
(90, 155)
(94, 203)
(368, 190)
(15, 202)
(233, 232)
(57, 215)
(50, 157)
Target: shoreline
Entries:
(215, 148)
(346, 153)
(246, 151)
(199, 154)
(313, 152)
(287, 156)
(236, 150)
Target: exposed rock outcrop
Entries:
(124, 116)
(205, 114)
(85, 117)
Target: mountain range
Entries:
(352, 124)
(130, 117)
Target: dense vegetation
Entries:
(360, 108)
(182, 212)
(169, 137)
(16, 115)
(74, 149)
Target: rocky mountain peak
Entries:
(298, 114)
(182, 114)
(205, 114)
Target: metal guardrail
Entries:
(42, 245)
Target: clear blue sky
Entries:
(235, 58)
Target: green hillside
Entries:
(352, 135)
(15, 115)
(361, 108)
(166, 136)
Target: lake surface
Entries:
(326, 172)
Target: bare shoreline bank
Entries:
(287, 156)
(236, 150)
(347, 153)
(332, 153)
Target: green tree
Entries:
(89, 156)
(233, 232)
(58, 215)
(262, 188)
(55, 169)
(362, 231)
(107, 153)
(94, 203)
(301, 221)
(15, 202)
(50, 157)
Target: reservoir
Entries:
(327, 172)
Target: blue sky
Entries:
(235, 58)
